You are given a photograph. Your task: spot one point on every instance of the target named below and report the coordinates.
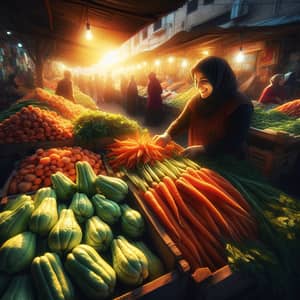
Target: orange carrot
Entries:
(204, 176)
(183, 235)
(201, 211)
(212, 256)
(170, 200)
(227, 186)
(227, 209)
(152, 201)
(193, 172)
(187, 212)
(194, 264)
(213, 190)
(186, 187)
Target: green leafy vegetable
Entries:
(270, 119)
(100, 124)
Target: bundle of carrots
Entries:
(63, 106)
(291, 108)
(140, 150)
(35, 170)
(33, 124)
(200, 210)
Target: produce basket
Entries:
(273, 153)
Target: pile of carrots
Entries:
(291, 108)
(140, 150)
(32, 124)
(201, 210)
(63, 106)
(35, 171)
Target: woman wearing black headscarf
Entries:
(218, 118)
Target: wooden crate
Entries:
(222, 284)
(273, 153)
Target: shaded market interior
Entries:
(240, 243)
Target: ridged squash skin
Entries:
(41, 194)
(13, 204)
(129, 262)
(85, 178)
(18, 252)
(94, 276)
(132, 222)
(15, 221)
(44, 217)
(60, 207)
(155, 265)
(20, 288)
(112, 188)
(107, 210)
(97, 234)
(64, 187)
(82, 207)
(50, 279)
(66, 233)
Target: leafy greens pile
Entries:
(98, 124)
(271, 119)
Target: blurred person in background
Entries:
(132, 97)
(65, 86)
(275, 92)
(154, 105)
(217, 118)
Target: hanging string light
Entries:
(88, 32)
(240, 57)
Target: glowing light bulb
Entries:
(184, 64)
(157, 62)
(171, 59)
(88, 32)
(240, 57)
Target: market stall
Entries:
(114, 215)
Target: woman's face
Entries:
(203, 85)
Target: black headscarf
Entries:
(222, 78)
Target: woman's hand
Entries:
(162, 140)
(193, 152)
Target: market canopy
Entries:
(62, 23)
